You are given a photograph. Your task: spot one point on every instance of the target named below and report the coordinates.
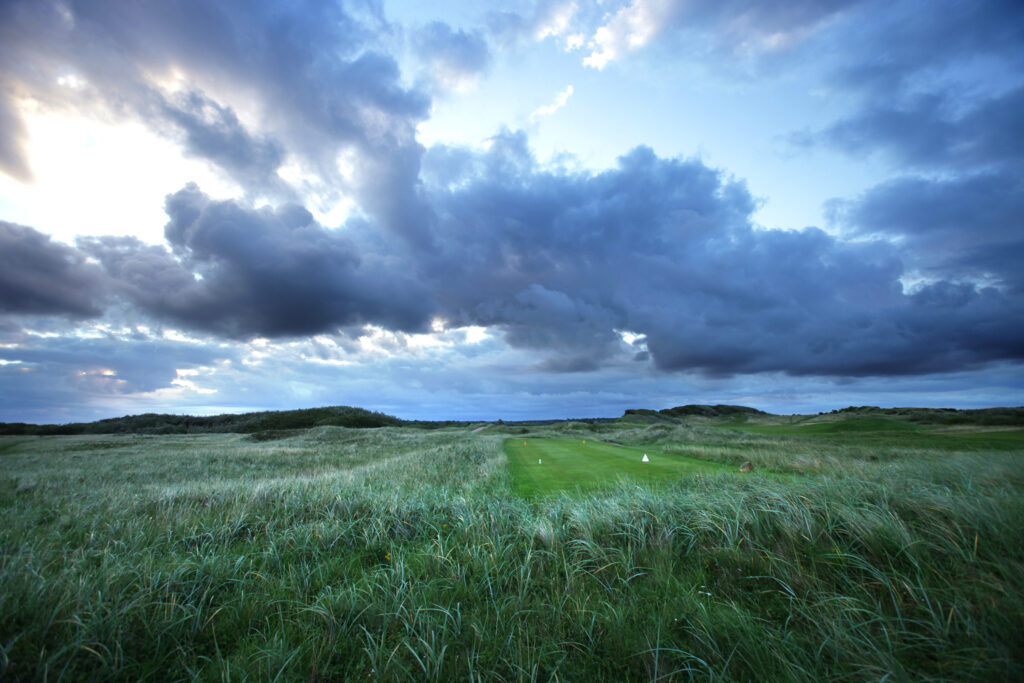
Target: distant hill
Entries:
(245, 423)
(990, 417)
(671, 414)
(711, 411)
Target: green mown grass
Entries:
(585, 464)
(400, 554)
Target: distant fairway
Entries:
(570, 464)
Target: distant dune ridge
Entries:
(271, 424)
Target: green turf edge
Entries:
(575, 466)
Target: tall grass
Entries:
(402, 554)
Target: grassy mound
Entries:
(884, 432)
(860, 425)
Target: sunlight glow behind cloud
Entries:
(100, 177)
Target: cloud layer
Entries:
(312, 78)
(39, 276)
(244, 272)
(652, 267)
(563, 265)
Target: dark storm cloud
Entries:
(665, 248)
(935, 87)
(311, 74)
(886, 49)
(560, 263)
(452, 54)
(965, 227)
(928, 85)
(563, 264)
(928, 131)
(214, 132)
(40, 276)
(939, 94)
(243, 272)
(555, 259)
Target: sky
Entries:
(516, 209)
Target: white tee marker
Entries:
(645, 459)
(538, 461)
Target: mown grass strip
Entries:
(545, 466)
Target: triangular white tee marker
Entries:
(646, 459)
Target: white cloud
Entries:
(557, 22)
(184, 382)
(549, 109)
(574, 41)
(628, 29)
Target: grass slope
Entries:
(404, 554)
(585, 464)
(887, 431)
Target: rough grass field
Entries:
(405, 554)
(545, 466)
